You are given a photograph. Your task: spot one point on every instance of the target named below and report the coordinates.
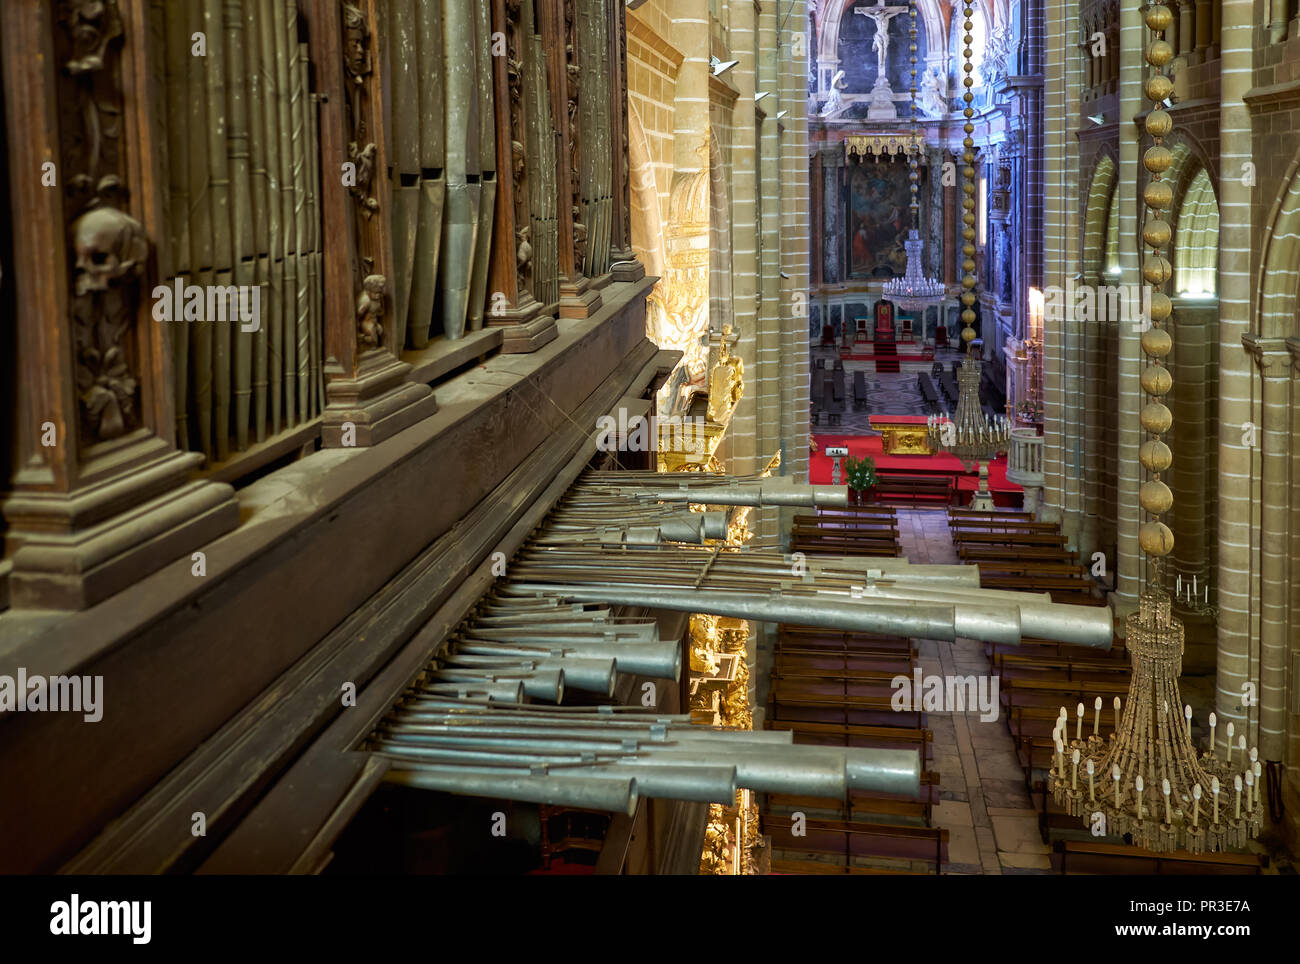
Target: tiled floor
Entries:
(992, 826)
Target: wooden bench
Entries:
(822, 867)
(844, 639)
(1086, 857)
(1058, 693)
(860, 840)
(859, 391)
(913, 488)
(1014, 540)
(865, 807)
(872, 737)
(1015, 667)
(1051, 649)
(972, 552)
(830, 661)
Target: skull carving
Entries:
(110, 245)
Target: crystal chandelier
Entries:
(973, 437)
(1148, 780)
(914, 291)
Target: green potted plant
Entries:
(861, 477)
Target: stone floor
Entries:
(992, 825)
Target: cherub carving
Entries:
(370, 309)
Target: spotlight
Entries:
(720, 67)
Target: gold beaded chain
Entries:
(969, 280)
(1154, 537)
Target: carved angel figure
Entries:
(92, 24)
(370, 309)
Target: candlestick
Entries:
(1096, 716)
(1250, 791)
(1138, 784)
(1117, 705)
(1074, 773)
(1214, 721)
(1236, 784)
(1090, 768)
(1196, 805)
(1230, 729)
(1187, 712)
(1259, 782)
(1078, 722)
(1114, 772)
(1169, 813)
(1060, 757)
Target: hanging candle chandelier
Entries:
(1147, 779)
(973, 437)
(914, 291)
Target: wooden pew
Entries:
(1058, 693)
(844, 734)
(861, 840)
(823, 868)
(1054, 540)
(913, 488)
(859, 391)
(1073, 857)
(844, 639)
(864, 806)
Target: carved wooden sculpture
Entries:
(108, 502)
(366, 388)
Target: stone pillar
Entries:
(1132, 176)
(1236, 294)
(1274, 363)
(832, 159)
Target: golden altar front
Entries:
(902, 434)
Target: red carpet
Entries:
(887, 358)
(819, 466)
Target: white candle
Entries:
(1060, 758)
(1250, 791)
(1236, 784)
(1096, 717)
(1114, 772)
(1169, 813)
(1178, 586)
(1214, 721)
(1187, 712)
(1078, 722)
(1138, 784)
(1193, 584)
(1117, 704)
(1074, 773)
(1230, 729)
(1241, 745)
(1090, 768)
(1196, 805)
(1207, 594)
(1214, 789)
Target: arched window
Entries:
(1196, 249)
(1111, 261)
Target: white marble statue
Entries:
(932, 97)
(835, 102)
(881, 15)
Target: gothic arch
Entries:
(647, 223)
(1276, 307)
(1196, 238)
(1098, 218)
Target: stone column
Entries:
(1274, 363)
(832, 159)
(1236, 294)
(1132, 176)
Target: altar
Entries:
(902, 434)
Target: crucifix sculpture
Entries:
(881, 14)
